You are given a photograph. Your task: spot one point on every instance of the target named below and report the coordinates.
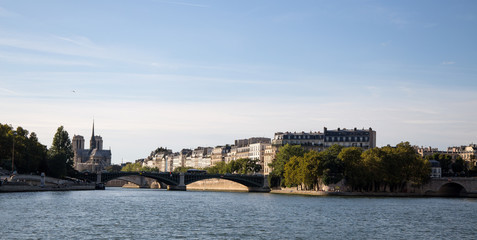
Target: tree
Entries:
(458, 166)
(330, 168)
(372, 160)
(293, 175)
(309, 169)
(354, 169)
(219, 168)
(113, 168)
(60, 154)
(29, 155)
(132, 167)
(283, 156)
(445, 161)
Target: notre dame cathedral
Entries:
(94, 159)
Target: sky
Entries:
(182, 74)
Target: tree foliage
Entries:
(113, 168)
(445, 161)
(239, 166)
(378, 169)
(137, 167)
(29, 156)
(285, 153)
(60, 154)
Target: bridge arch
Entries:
(452, 189)
(140, 181)
(247, 181)
(166, 178)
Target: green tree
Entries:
(30, 155)
(293, 175)
(283, 156)
(113, 168)
(445, 161)
(6, 145)
(60, 154)
(330, 168)
(309, 169)
(354, 169)
(133, 167)
(219, 168)
(372, 159)
(459, 166)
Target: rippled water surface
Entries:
(118, 213)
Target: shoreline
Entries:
(5, 188)
(365, 194)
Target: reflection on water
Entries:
(118, 213)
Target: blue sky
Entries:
(183, 74)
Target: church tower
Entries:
(92, 142)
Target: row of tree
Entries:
(375, 169)
(239, 166)
(22, 152)
(137, 167)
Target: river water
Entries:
(118, 213)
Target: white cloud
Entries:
(448, 63)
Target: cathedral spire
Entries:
(92, 142)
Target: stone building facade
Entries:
(95, 159)
(318, 141)
(467, 153)
(218, 154)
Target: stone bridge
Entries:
(179, 181)
(451, 187)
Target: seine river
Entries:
(118, 213)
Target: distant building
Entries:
(94, 159)
(308, 140)
(218, 154)
(257, 152)
(179, 158)
(427, 151)
(200, 158)
(363, 138)
(161, 160)
(269, 155)
(467, 153)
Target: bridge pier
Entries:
(264, 188)
(181, 186)
(99, 184)
(98, 178)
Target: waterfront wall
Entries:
(30, 188)
(217, 185)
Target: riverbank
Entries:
(294, 191)
(291, 191)
(19, 187)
